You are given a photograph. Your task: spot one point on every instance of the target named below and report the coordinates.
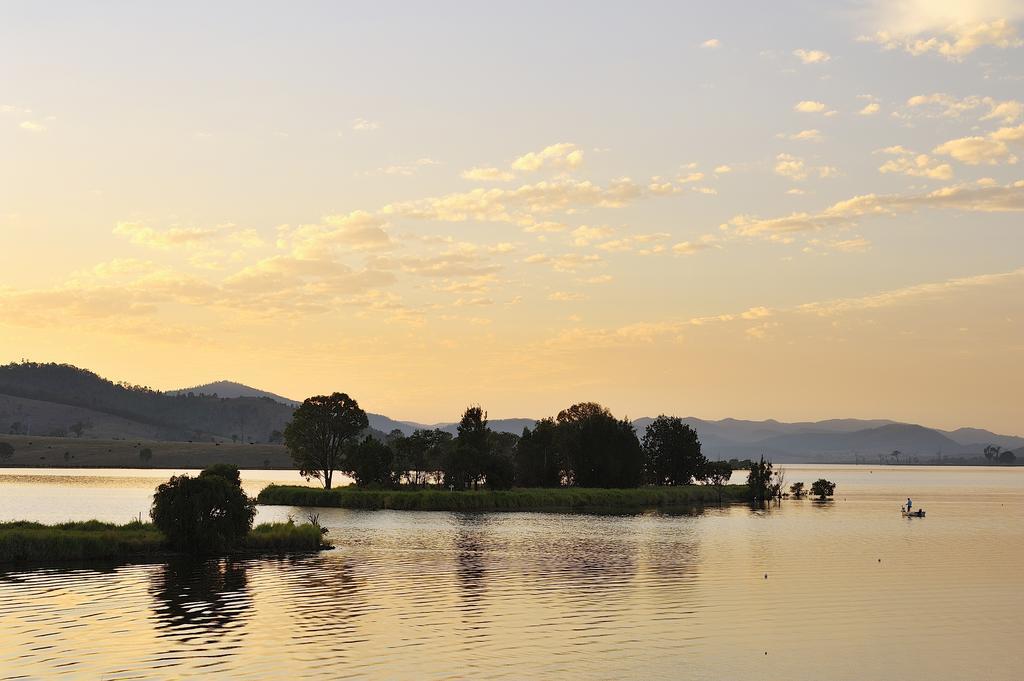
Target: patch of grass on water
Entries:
(531, 499)
(90, 540)
(28, 542)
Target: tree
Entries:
(422, 455)
(79, 427)
(672, 452)
(992, 453)
(539, 460)
(276, 437)
(499, 465)
(318, 432)
(145, 454)
(369, 462)
(717, 473)
(466, 462)
(208, 513)
(797, 490)
(760, 481)
(599, 450)
(823, 488)
(6, 450)
(1007, 457)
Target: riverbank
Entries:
(94, 540)
(532, 499)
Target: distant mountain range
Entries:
(48, 399)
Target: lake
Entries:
(841, 590)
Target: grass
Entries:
(28, 542)
(533, 499)
(31, 451)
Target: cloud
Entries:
(954, 41)
(566, 296)
(487, 174)
(990, 149)
(364, 125)
(809, 106)
(855, 245)
(986, 198)
(646, 244)
(405, 169)
(940, 104)
(790, 166)
(907, 162)
(140, 234)
(869, 109)
(569, 262)
(584, 235)
(32, 126)
(521, 205)
(722, 170)
(561, 156)
(810, 135)
(355, 231)
(812, 56)
(711, 43)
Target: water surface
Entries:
(853, 591)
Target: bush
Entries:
(6, 450)
(145, 454)
(206, 514)
(823, 488)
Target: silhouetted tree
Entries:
(468, 456)
(539, 461)
(1007, 457)
(797, 490)
(275, 437)
(823, 488)
(145, 454)
(600, 451)
(992, 453)
(79, 427)
(717, 473)
(318, 432)
(760, 481)
(499, 465)
(672, 452)
(369, 462)
(423, 455)
(208, 513)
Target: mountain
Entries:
(51, 399)
(231, 389)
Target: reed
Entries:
(532, 499)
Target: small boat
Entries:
(919, 513)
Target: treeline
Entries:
(583, 446)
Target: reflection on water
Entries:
(853, 591)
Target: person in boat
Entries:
(909, 504)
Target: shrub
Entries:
(823, 488)
(209, 513)
(6, 450)
(146, 454)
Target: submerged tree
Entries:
(760, 481)
(823, 488)
(797, 490)
(672, 453)
(717, 473)
(319, 431)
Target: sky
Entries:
(794, 210)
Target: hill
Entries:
(230, 389)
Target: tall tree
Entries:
(318, 432)
(600, 451)
(466, 463)
(672, 452)
(539, 460)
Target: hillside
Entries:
(172, 417)
(231, 389)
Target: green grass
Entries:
(27, 542)
(534, 499)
